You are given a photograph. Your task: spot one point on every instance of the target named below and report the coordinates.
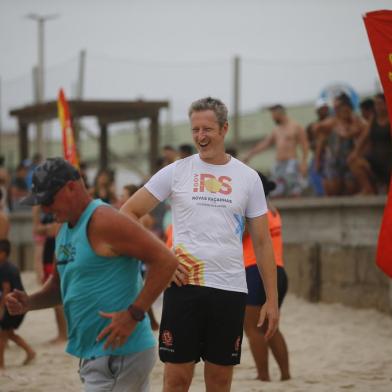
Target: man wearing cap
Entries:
(212, 195)
(289, 171)
(97, 279)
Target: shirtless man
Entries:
(286, 136)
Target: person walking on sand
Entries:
(256, 296)
(10, 280)
(97, 279)
(212, 195)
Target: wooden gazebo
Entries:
(106, 113)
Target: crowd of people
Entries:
(342, 152)
(351, 152)
(201, 230)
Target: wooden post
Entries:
(23, 141)
(154, 143)
(103, 145)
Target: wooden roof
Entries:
(107, 112)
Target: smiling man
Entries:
(211, 194)
(97, 279)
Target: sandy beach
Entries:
(332, 348)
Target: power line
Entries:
(306, 62)
(22, 77)
(161, 63)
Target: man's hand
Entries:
(181, 274)
(269, 312)
(17, 302)
(119, 330)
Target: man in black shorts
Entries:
(10, 280)
(212, 194)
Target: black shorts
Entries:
(201, 322)
(256, 293)
(10, 322)
(380, 168)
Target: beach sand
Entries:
(332, 348)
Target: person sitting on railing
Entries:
(371, 160)
(337, 140)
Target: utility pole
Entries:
(79, 93)
(236, 102)
(1, 117)
(82, 71)
(40, 19)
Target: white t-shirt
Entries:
(209, 206)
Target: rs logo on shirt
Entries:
(207, 182)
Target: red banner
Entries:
(379, 29)
(69, 145)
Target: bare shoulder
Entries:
(106, 219)
(108, 228)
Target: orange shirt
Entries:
(169, 236)
(275, 227)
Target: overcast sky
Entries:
(181, 50)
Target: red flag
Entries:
(379, 29)
(69, 145)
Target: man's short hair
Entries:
(278, 106)
(5, 246)
(209, 103)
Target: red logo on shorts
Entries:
(167, 338)
(237, 344)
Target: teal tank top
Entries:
(91, 283)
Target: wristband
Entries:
(136, 313)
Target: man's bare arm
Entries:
(18, 302)
(304, 143)
(120, 235)
(324, 126)
(139, 204)
(124, 236)
(261, 146)
(361, 142)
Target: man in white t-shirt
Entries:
(212, 194)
